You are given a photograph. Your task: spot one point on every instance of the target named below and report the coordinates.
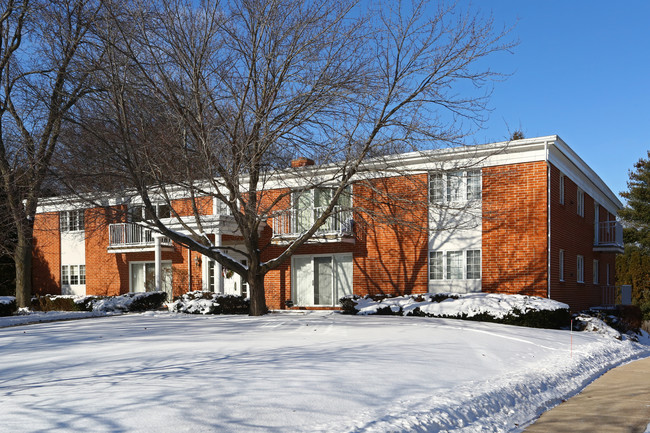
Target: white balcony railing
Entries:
(610, 233)
(293, 222)
(132, 235)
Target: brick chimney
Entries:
(301, 162)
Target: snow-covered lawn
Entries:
(286, 372)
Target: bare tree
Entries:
(44, 51)
(241, 88)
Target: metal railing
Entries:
(295, 221)
(609, 233)
(130, 234)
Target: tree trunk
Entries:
(23, 259)
(258, 298)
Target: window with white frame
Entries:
(455, 265)
(436, 265)
(561, 263)
(72, 220)
(455, 186)
(473, 269)
(580, 271)
(595, 272)
(309, 205)
(581, 202)
(561, 188)
(72, 275)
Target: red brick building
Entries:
(527, 216)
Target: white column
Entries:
(158, 261)
(218, 268)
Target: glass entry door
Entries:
(143, 277)
(320, 280)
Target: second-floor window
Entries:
(139, 213)
(72, 220)
(309, 205)
(581, 202)
(455, 186)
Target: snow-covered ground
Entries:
(286, 372)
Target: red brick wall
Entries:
(515, 229)
(184, 207)
(575, 235)
(46, 264)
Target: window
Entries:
(581, 202)
(455, 265)
(138, 212)
(455, 186)
(72, 220)
(595, 271)
(65, 278)
(561, 265)
(607, 274)
(73, 275)
(436, 188)
(309, 205)
(474, 185)
(580, 277)
(473, 264)
(435, 265)
(561, 188)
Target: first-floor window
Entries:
(455, 265)
(73, 274)
(473, 264)
(595, 271)
(607, 273)
(561, 265)
(581, 269)
(435, 265)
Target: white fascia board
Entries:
(571, 165)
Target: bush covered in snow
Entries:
(624, 319)
(130, 302)
(7, 305)
(62, 303)
(109, 304)
(201, 302)
(520, 310)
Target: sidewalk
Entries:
(619, 401)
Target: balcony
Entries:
(131, 237)
(290, 224)
(608, 237)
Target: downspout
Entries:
(548, 222)
(189, 270)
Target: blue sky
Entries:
(581, 71)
